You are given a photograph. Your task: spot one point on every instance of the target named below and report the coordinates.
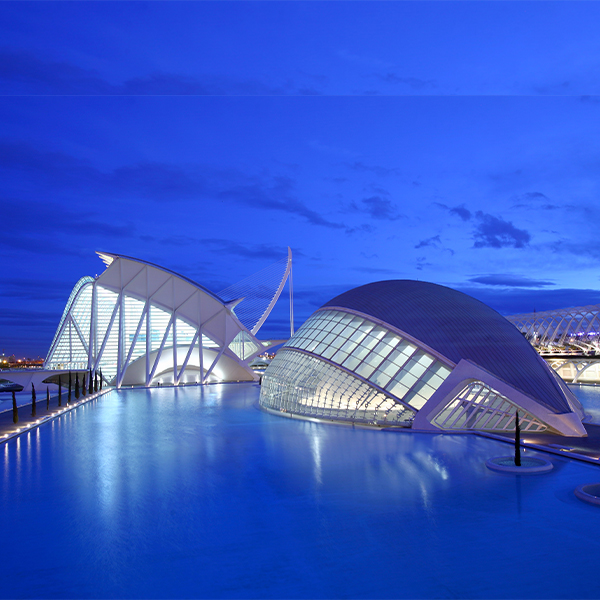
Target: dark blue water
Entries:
(589, 396)
(195, 493)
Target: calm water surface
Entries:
(195, 493)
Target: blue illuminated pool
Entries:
(195, 493)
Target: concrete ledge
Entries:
(589, 493)
(529, 465)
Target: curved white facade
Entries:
(417, 354)
(141, 324)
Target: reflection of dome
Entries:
(393, 351)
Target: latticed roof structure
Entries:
(396, 352)
(576, 328)
(139, 323)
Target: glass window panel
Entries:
(351, 363)
(366, 327)
(373, 359)
(357, 336)
(397, 358)
(415, 368)
(378, 332)
(398, 389)
(369, 342)
(339, 357)
(392, 339)
(406, 348)
(348, 346)
(406, 378)
(360, 352)
(389, 367)
(380, 378)
(364, 370)
(382, 348)
(328, 352)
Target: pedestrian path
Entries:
(27, 421)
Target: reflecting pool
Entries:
(196, 493)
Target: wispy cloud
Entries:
(156, 181)
(375, 169)
(377, 208)
(510, 281)
(434, 242)
(24, 72)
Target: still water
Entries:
(196, 493)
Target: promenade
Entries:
(26, 421)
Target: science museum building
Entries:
(141, 324)
(420, 355)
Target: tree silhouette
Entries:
(59, 392)
(96, 381)
(47, 398)
(70, 386)
(83, 388)
(91, 380)
(76, 386)
(517, 442)
(15, 411)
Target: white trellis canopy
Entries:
(554, 330)
(141, 324)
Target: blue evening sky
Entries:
(455, 142)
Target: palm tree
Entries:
(83, 388)
(91, 388)
(96, 381)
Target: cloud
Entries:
(462, 212)
(155, 181)
(492, 232)
(376, 169)
(377, 208)
(432, 241)
(23, 72)
(33, 289)
(534, 195)
(511, 301)
(373, 270)
(458, 211)
(510, 281)
(412, 82)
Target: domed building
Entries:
(411, 353)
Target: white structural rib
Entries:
(256, 295)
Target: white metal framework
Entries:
(141, 324)
(558, 331)
(479, 407)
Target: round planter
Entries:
(529, 464)
(589, 493)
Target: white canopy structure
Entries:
(566, 329)
(141, 324)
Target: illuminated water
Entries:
(197, 493)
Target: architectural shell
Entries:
(141, 324)
(414, 353)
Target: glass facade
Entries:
(369, 373)
(98, 309)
